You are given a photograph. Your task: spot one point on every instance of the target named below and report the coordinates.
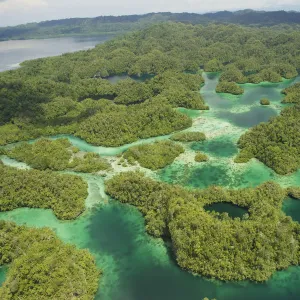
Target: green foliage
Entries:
(201, 157)
(69, 94)
(233, 75)
(124, 125)
(42, 267)
(109, 25)
(131, 92)
(3, 151)
(294, 192)
(154, 156)
(89, 163)
(292, 94)
(275, 143)
(213, 65)
(254, 78)
(285, 70)
(64, 194)
(44, 154)
(180, 89)
(210, 243)
(243, 157)
(264, 101)
(190, 136)
(270, 75)
(56, 155)
(229, 87)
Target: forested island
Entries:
(63, 193)
(36, 273)
(276, 143)
(57, 155)
(73, 94)
(214, 244)
(62, 94)
(155, 156)
(104, 25)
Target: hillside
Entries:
(120, 24)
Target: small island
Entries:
(275, 143)
(57, 155)
(264, 101)
(190, 136)
(65, 194)
(229, 87)
(292, 94)
(154, 156)
(201, 157)
(196, 235)
(43, 267)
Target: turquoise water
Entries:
(225, 173)
(3, 271)
(245, 110)
(137, 266)
(250, 118)
(220, 146)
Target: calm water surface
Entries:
(233, 211)
(14, 52)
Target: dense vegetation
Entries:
(210, 243)
(190, 136)
(154, 156)
(69, 93)
(294, 192)
(201, 157)
(264, 101)
(292, 94)
(275, 143)
(43, 154)
(120, 24)
(42, 267)
(89, 163)
(229, 87)
(64, 194)
(57, 155)
(233, 74)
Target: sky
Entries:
(13, 12)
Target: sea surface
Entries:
(12, 53)
(138, 267)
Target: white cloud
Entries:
(21, 11)
(7, 6)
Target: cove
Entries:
(291, 207)
(245, 110)
(233, 211)
(3, 272)
(249, 118)
(116, 78)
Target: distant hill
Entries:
(120, 24)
